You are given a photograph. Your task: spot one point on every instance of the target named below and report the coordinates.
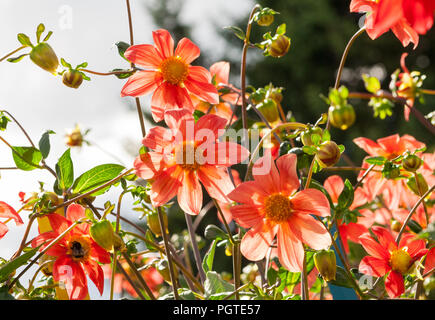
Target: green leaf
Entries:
(4, 293)
(11, 266)
(65, 64)
(4, 120)
(17, 59)
(281, 29)
(309, 150)
(341, 279)
(96, 177)
(239, 33)
(82, 65)
(39, 30)
(345, 199)
(372, 84)
(24, 40)
(44, 143)
(379, 161)
(214, 284)
(207, 263)
(47, 36)
(213, 232)
(26, 158)
(122, 47)
(65, 171)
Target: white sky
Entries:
(83, 31)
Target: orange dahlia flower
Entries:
(387, 258)
(6, 211)
(186, 154)
(271, 206)
(76, 253)
(169, 74)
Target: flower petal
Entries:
(158, 139)
(165, 186)
(290, 249)
(310, 231)
(190, 193)
(247, 215)
(71, 274)
(187, 50)
(164, 43)
(76, 212)
(373, 248)
(334, 185)
(3, 229)
(221, 72)
(394, 284)
(257, 241)
(6, 211)
(227, 154)
(95, 273)
(286, 165)
(144, 55)
(373, 266)
(147, 165)
(311, 201)
(266, 174)
(203, 90)
(216, 181)
(141, 83)
(249, 192)
(99, 254)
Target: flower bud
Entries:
(74, 138)
(154, 224)
(72, 78)
(163, 268)
(326, 263)
(102, 233)
(265, 20)
(395, 225)
(45, 57)
(118, 244)
(306, 135)
(269, 109)
(48, 262)
(328, 154)
(279, 47)
(228, 249)
(341, 116)
(411, 162)
(417, 184)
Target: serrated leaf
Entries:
(11, 266)
(39, 30)
(65, 171)
(345, 199)
(96, 177)
(24, 40)
(44, 143)
(239, 33)
(26, 158)
(207, 263)
(379, 161)
(214, 284)
(17, 59)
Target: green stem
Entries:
(304, 279)
(195, 248)
(11, 53)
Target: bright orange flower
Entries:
(6, 211)
(271, 206)
(389, 147)
(76, 253)
(186, 154)
(169, 74)
(406, 18)
(226, 206)
(388, 258)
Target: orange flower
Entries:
(76, 253)
(169, 74)
(6, 211)
(271, 207)
(185, 155)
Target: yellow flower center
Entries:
(278, 208)
(79, 248)
(174, 70)
(400, 261)
(188, 156)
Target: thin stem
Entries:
(108, 73)
(168, 254)
(11, 53)
(26, 234)
(243, 72)
(227, 227)
(125, 274)
(358, 183)
(428, 91)
(236, 267)
(42, 266)
(310, 174)
(195, 248)
(428, 192)
(420, 193)
(304, 279)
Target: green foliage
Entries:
(27, 158)
(65, 172)
(96, 177)
(7, 269)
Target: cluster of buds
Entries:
(75, 137)
(277, 45)
(265, 17)
(268, 102)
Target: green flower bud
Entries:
(265, 20)
(102, 233)
(326, 263)
(418, 184)
(307, 134)
(72, 79)
(269, 110)
(163, 268)
(328, 154)
(45, 57)
(341, 116)
(153, 223)
(411, 162)
(279, 46)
